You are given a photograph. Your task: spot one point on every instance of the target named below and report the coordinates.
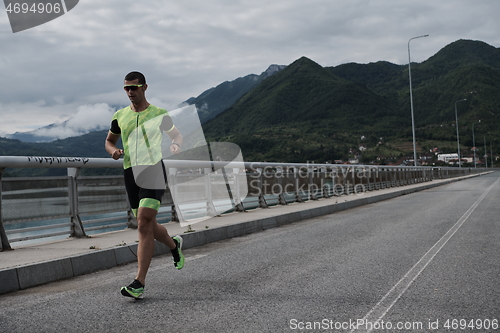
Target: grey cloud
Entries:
(185, 48)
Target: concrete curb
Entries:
(23, 277)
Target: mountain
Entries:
(303, 93)
(88, 145)
(463, 69)
(309, 112)
(462, 52)
(215, 100)
(383, 77)
(296, 113)
(14, 147)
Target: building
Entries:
(447, 157)
(453, 158)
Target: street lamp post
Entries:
(474, 143)
(485, 152)
(411, 102)
(458, 140)
(491, 155)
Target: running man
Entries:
(145, 200)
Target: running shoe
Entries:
(177, 253)
(135, 290)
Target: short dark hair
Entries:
(136, 76)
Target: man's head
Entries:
(135, 86)
(136, 76)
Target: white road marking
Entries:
(196, 256)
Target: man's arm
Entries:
(177, 140)
(110, 145)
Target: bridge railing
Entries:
(75, 205)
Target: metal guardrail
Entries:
(78, 203)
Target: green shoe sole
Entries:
(134, 293)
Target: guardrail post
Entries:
(344, 179)
(280, 174)
(393, 178)
(369, 184)
(312, 195)
(237, 185)
(323, 176)
(298, 196)
(4, 241)
(324, 190)
(131, 219)
(238, 203)
(211, 211)
(262, 199)
(77, 226)
(171, 181)
(383, 178)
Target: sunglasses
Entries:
(133, 87)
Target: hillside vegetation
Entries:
(307, 112)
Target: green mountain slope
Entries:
(310, 112)
(301, 109)
(459, 53)
(217, 99)
(463, 69)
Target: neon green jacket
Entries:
(141, 134)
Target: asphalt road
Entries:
(429, 260)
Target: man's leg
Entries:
(174, 244)
(161, 235)
(148, 203)
(149, 230)
(146, 220)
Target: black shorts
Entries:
(140, 196)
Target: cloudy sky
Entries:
(73, 66)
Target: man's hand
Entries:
(117, 154)
(175, 149)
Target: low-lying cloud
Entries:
(87, 118)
